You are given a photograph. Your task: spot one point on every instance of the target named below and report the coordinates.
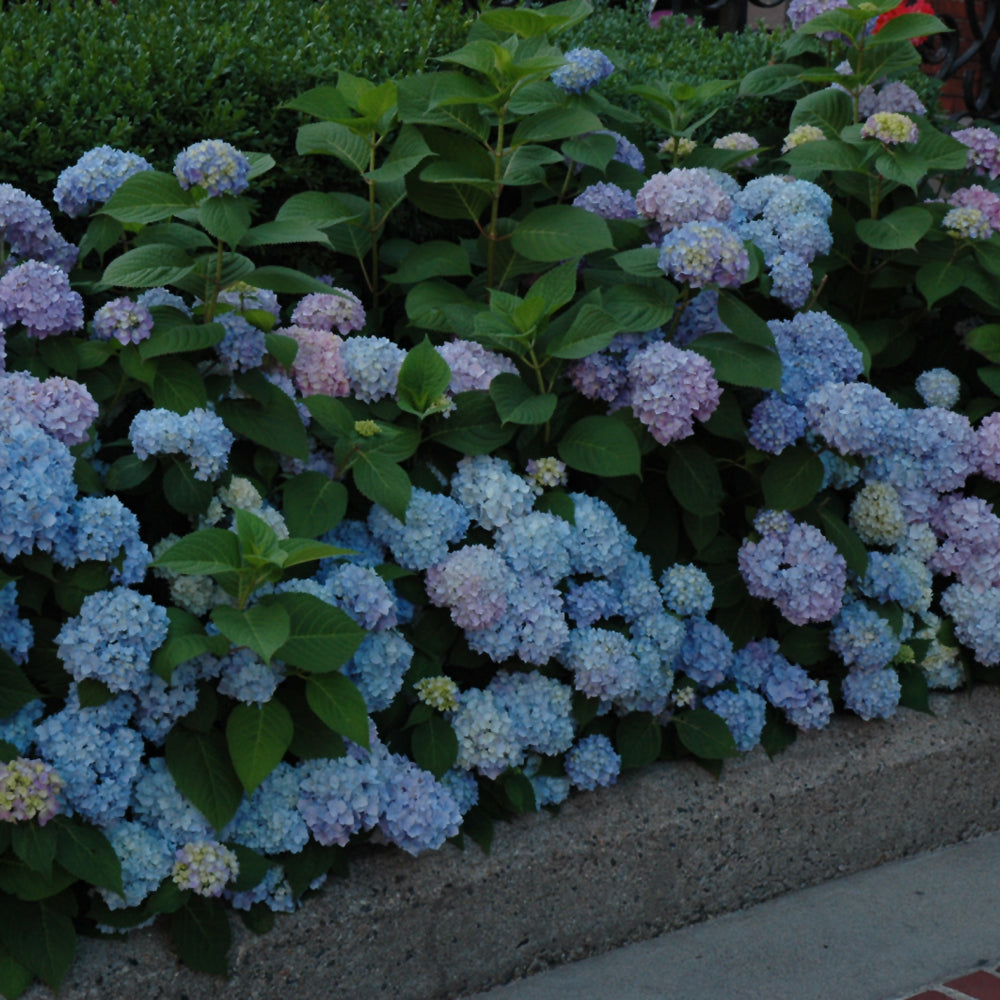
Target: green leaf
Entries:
(517, 404)
(806, 645)
(181, 339)
(262, 628)
(595, 149)
(179, 649)
(35, 845)
(899, 230)
(558, 232)
(431, 260)
(430, 305)
(384, 482)
(184, 492)
(559, 123)
(792, 479)
(297, 551)
(830, 109)
(202, 936)
(322, 638)
(286, 280)
(694, 479)
(86, 852)
(519, 791)
(989, 374)
(15, 978)
(333, 139)
(225, 217)
(825, 154)
(423, 378)
(937, 279)
(905, 27)
(765, 81)
(331, 414)
(737, 362)
(178, 386)
(556, 287)
(638, 739)
(473, 427)
(274, 423)
(744, 323)
(642, 262)
(41, 936)
(849, 545)
(339, 703)
(557, 502)
(600, 445)
(148, 267)
(211, 550)
(258, 736)
(282, 232)
(148, 196)
(15, 688)
(913, 688)
(321, 102)
(434, 745)
(705, 734)
(200, 766)
(313, 504)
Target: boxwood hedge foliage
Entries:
(152, 76)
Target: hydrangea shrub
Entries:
(657, 456)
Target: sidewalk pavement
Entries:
(927, 928)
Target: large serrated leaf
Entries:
(41, 936)
(200, 766)
(705, 734)
(313, 504)
(262, 628)
(517, 404)
(258, 736)
(339, 703)
(87, 853)
(792, 479)
(321, 638)
(202, 936)
(148, 196)
(602, 446)
(558, 232)
(211, 550)
(694, 478)
(148, 267)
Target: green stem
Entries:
(212, 286)
(491, 234)
(373, 278)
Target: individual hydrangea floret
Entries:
(38, 296)
(472, 365)
(326, 310)
(372, 365)
(607, 200)
(113, 638)
(94, 178)
(683, 195)
(891, 128)
(704, 253)
(800, 135)
(939, 387)
(214, 165)
(583, 69)
(29, 790)
(984, 149)
(204, 867)
(199, 434)
(593, 763)
(124, 320)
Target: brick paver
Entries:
(979, 985)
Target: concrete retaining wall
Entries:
(667, 846)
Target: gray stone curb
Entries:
(666, 847)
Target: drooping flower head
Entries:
(28, 233)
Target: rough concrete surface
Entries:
(666, 847)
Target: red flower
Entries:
(906, 7)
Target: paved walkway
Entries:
(927, 928)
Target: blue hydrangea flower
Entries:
(269, 820)
(872, 694)
(243, 347)
(583, 69)
(900, 578)
(363, 594)
(214, 165)
(199, 435)
(356, 536)
(159, 705)
(814, 350)
(775, 424)
(243, 675)
(157, 802)
(607, 200)
(687, 590)
(246, 298)
(491, 492)
(862, 638)
(27, 232)
(339, 797)
(706, 654)
(124, 320)
(974, 614)
(418, 813)
(854, 418)
(463, 787)
(378, 667)
(19, 729)
(487, 741)
(273, 890)
(104, 529)
(593, 763)
(16, 633)
(805, 702)
(592, 600)
(704, 253)
(94, 178)
(602, 663)
(146, 859)
(113, 638)
(434, 522)
(372, 365)
(536, 543)
(39, 297)
(540, 708)
(743, 711)
(601, 544)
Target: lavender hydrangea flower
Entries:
(418, 812)
(125, 320)
(602, 663)
(244, 345)
(473, 583)
(59, 406)
(339, 797)
(743, 711)
(325, 310)
(472, 365)
(94, 178)
(704, 253)
(775, 424)
(892, 96)
(984, 149)
(683, 195)
(799, 12)
(28, 233)
(246, 298)
(583, 69)
(318, 368)
(670, 388)
(706, 655)
(607, 200)
(38, 296)
(854, 418)
(214, 165)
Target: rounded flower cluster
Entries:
(433, 523)
(687, 590)
(975, 212)
(704, 253)
(877, 514)
(214, 165)
(473, 582)
(683, 195)
(418, 812)
(593, 763)
(318, 368)
(439, 692)
(739, 141)
(38, 296)
(59, 406)
(583, 69)
(872, 694)
(814, 350)
(339, 797)
(862, 638)
(28, 233)
(325, 310)
(29, 789)
(198, 434)
(670, 388)
(743, 711)
(372, 365)
(546, 472)
(205, 867)
(491, 493)
(800, 135)
(797, 568)
(890, 127)
(607, 200)
(939, 387)
(802, 11)
(984, 149)
(94, 178)
(123, 319)
(244, 345)
(472, 365)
